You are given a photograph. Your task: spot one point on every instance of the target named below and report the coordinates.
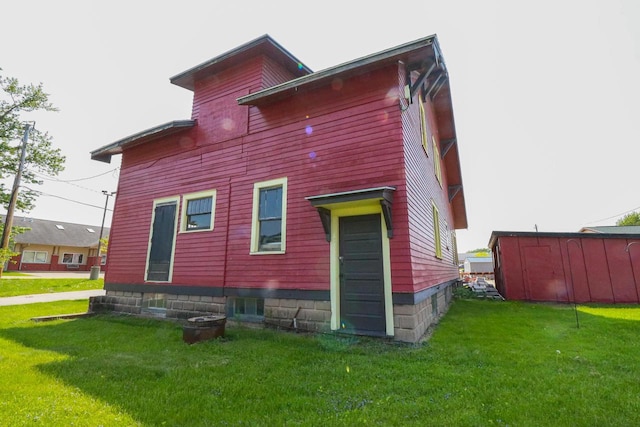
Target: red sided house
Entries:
(325, 200)
(55, 246)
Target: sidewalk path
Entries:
(56, 296)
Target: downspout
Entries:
(226, 240)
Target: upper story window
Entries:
(436, 160)
(424, 136)
(198, 211)
(437, 240)
(268, 231)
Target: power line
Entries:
(614, 216)
(52, 178)
(64, 198)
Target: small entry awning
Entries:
(325, 202)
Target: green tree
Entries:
(41, 156)
(6, 254)
(481, 252)
(630, 219)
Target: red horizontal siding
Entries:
(343, 137)
(422, 189)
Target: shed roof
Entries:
(57, 233)
(497, 234)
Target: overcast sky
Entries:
(546, 94)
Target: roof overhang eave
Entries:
(345, 69)
(104, 154)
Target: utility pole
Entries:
(95, 270)
(8, 223)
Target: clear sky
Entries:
(546, 94)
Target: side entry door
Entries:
(163, 233)
(362, 304)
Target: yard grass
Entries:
(14, 287)
(487, 364)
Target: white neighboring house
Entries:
(55, 245)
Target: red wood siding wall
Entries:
(347, 136)
(568, 268)
(422, 187)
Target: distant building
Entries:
(475, 266)
(612, 229)
(55, 246)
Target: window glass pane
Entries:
(28, 256)
(270, 203)
(239, 306)
(260, 307)
(270, 235)
(40, 257)
(196, 222)
(199, 206)
(67, 258)
(79, 259)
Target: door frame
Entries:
(363, 207)
(156, 202)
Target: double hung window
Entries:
(269, 216)
(198, 210)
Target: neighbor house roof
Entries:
(612, 229)
(57, 233)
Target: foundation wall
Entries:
(411, 322)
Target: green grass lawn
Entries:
(487, 364)
(14, 287)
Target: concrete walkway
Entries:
(53, 275)
(57, 296)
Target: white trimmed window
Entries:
(35, 257)
(72, 258)
(437, 240)
(436, 160)
(423, 127)
(269, 217)
(198, 211)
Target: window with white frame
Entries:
(269, 217)
(198, 211)
(436, 160)
(103, 259)
(72, 258)
(423, 127)
(35, 257)
(436, 230)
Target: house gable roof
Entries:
(57, 233)
(262, 45)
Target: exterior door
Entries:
(362, 309)
(163, 232)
